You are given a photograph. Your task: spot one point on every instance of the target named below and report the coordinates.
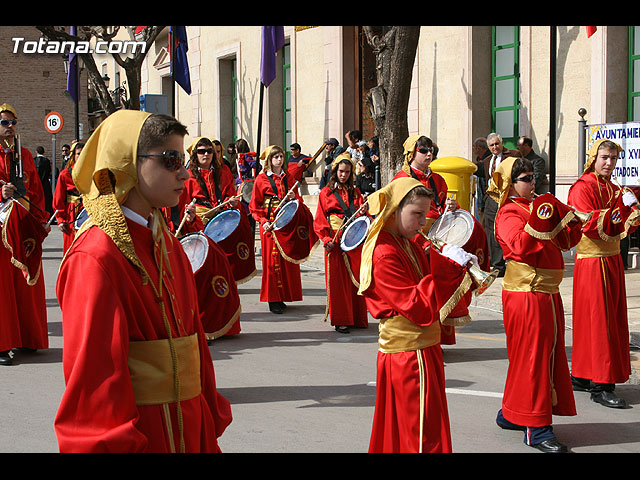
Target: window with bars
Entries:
(633, 110)
(505, 83)
(287, 127)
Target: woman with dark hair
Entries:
(211, 184)
(533, 232)
(67, 201)
(337, 202)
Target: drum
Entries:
(293, 231)
(5, 208)
(222, 225)
(355, 233)
(285, 214)
(82, 217)
(196, 246)
(453, 228)
(246, 190)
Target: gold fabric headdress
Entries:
(264, 156)
(106, 171)
(339, 158)
(382, 204)
(500, 182)
(5, 107)
(409, 150)
(194, 143)
(593, 153)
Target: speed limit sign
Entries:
(53, 122)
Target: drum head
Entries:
(196, 246)
(246, 190)
(222, 225)
(82, 217)
(355, 233)
(285, 214)
(453, 228)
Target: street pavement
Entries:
(297, 386)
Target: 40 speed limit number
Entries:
(53, 122)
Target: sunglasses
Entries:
(6, 123)
(425, 150)
(525, 179)
(172, 159)
(202, 151)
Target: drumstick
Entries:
(344, 224)
(184, 218)
(20, 195)
(290, 190)
(52, 217)
(218, 207)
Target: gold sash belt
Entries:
(520, 277)
(399, 334)
(594, 247)
(71, 198)
(153, 374)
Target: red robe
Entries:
(240, 245)
(67, 211)
(24, 309)
(281, 281)
(346, 307)
(397, 289)
(600, 326)
(534, 326)
(476, 245)
(98, 410)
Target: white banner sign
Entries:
(627, 135)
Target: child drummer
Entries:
(137, 369)
(406, 291)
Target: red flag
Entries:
(591, 31)
(23, 235)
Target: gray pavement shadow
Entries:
(595, 434)
(230, 346)
(49, 355)
(358, 395)
(452, 354)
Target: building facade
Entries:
(467, 82)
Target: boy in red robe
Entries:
(337, 203)
(138, 372)
(533, 234)
(409, 293)
(67, 201)
(600, 355)
(24, 310)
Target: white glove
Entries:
(456, 254)
(629, 199)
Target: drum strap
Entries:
(432, 184)
(348, 211)
(276, 193)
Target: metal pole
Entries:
(582, 140)
(260, 106)
(53, 165)
(552, 110)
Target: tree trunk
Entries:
(395, 56)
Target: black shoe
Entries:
(5, 358)
(283, 305)
(608, 399)
(581, 384)
(342, 329)
(274, 307)
(551, 446)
